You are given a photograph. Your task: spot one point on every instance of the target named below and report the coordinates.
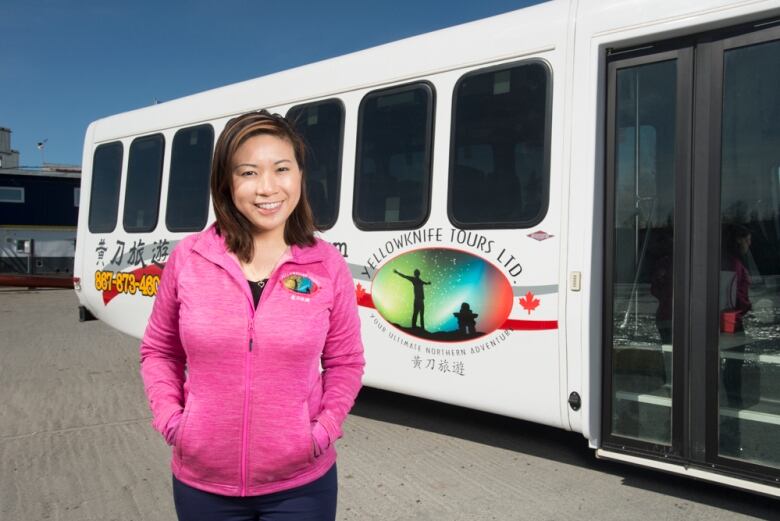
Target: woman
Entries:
(737, 245)
(741, 378)
(251, 308)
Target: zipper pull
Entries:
(251, 334)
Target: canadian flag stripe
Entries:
(529, 325)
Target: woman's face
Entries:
(266, 182)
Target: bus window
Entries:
(392, 176)
(499, 160)
(322, 126)
(188, 188)
(144, 171)
(104, 198)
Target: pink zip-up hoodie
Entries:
(245, 385)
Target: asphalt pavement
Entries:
(76, 444)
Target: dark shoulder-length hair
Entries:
(231, 225)
(732, 233)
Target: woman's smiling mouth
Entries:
(268, 207)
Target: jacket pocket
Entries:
(308, 429)
(209, 443)
(314, 401)
(180, 429)
(282, 445)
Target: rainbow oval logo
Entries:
(442, 294)
(298, 283)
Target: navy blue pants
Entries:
(315, 501)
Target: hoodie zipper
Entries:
(245, 429)
(247, 379)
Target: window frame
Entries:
(201, 226)
(544, 208)
(430, 127)
(18, 189)
(340, 162)
(119, 188)
(147, 137)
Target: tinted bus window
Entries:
(499, 160)
(142, 195)
(188, 187)
(322, 126)
(104, 195)
(392, 179)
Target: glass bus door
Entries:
(692, 260)
(648, 177)
(739, 171)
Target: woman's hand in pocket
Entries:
(319, 438)
(172, 428)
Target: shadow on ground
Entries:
(565, 447)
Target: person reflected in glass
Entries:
(737, 243)
(419, 297)
(740, 379)
(662, 284)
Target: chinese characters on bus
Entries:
(133, 268)
(441, 365)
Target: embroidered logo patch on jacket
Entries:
(300, 284)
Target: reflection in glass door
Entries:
(749, 280)
(643, 175)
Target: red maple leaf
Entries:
(529, 303)
(359, 292)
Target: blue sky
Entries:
(66, 63)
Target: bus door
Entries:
(692, 271)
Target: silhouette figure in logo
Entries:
(467, 323)
(419, 297)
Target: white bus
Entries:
(587, 195)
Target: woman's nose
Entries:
(266, 183)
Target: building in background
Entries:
(38, 214)
(8, 158)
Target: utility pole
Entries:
(41, 146)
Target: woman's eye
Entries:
(248, 173)
(283, 169)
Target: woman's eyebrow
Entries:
(252, 165)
